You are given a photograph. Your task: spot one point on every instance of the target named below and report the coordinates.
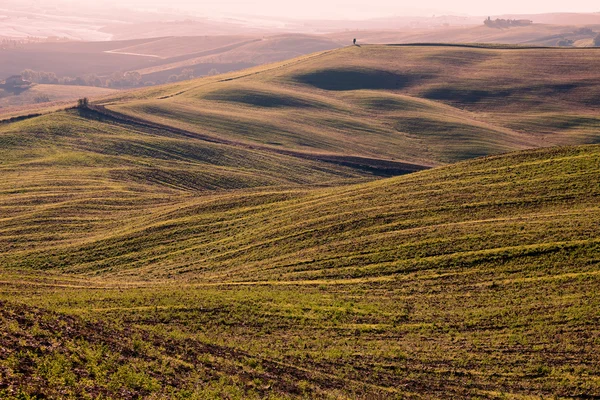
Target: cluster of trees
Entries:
(184, 75)
(584, 31)
(115, 80)
(597, 40)
(39, 77)
(189, 74)
(506, 23)
(565, 42)
(83, 103)
(10, 44)
(7, 43)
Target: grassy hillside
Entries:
(423, 104)
(78, 142)
(542, 33)
(473, 280)
(179, 232)
(258, 234)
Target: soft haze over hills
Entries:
(344, 9)
(211, 201)
(246, 236)
(130, 19)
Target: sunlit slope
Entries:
(476, 280)
(540, 34)
(529, 214)
(79, 141)
(66, 175)
(423, 104)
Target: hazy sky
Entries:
(368, 8)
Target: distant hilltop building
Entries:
(506, 23)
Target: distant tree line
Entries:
(506, 23)
(584, 31)
(565, 42)
(9, 43)
(188, 73)
(184, 75)
(117, 80)
(597, 40)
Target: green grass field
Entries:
(429, 105)
(280, 233)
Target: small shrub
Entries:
(83, 103)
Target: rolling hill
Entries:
(159, 57)
(163, 59)
(540, 33)
(421, 104)
(369, 222)
(469, 280)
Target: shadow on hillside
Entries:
(470, 96)
(258, 99)
(356, 79)
(465, 95)
(19, 118)
(377, 167)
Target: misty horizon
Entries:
(316, 10)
